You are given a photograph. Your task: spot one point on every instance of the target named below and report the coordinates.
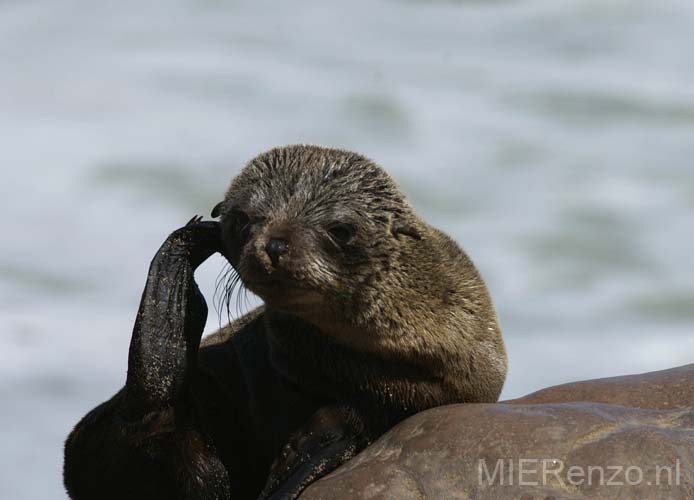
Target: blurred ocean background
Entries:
(554, 139)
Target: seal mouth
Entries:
(256, 276)
(275, 287)
(282, 293)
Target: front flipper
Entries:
(150, 441)
(170, 320)
(333, 435)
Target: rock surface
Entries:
(625, 437)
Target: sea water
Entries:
(554, 139)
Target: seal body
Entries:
(370, 315)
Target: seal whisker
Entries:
(220, 290)
(231, 287)
(239, 297)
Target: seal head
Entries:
(310, 229)
(326, 236)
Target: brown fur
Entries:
(403, 292)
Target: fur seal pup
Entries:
(370, 315)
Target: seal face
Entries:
(309, 229)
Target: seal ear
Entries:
(406, 228)
(217, 210)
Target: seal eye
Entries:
(342, 233)
(240, 224)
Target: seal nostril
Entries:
(276, 248)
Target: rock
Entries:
(665, 389)
(628, 437)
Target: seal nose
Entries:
(275, 248)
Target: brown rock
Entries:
(624, 437)
(665, 389)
